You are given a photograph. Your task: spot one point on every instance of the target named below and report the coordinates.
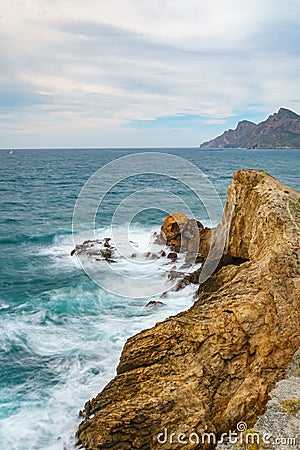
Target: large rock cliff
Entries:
(212, 366)
(280, 130)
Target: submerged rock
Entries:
(214, 365)
(172, 256)
(95, 248)
(154, 304)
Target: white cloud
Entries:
(95, 66)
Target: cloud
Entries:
(115, 70)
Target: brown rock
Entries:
(182, 234)
(174, 225)
(106, 242)
(107, 253)
(213, 365)
(205, 241)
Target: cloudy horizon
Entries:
(131, 73)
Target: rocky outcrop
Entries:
(186, 235)
(280, 130)
(99, 250)
(214, 365)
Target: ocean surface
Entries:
(62, 333)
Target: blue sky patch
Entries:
(176, 121)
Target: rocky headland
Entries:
(280, 130)
(214, 365)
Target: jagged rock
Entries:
(174, 225)
(154, 304)
(294, 368)
(172, 256)
(95, 248)
(106, 242)
(205, 370)
(175, 274)
(181, 234)
(151, 255)
(205, 242)
(107, 253)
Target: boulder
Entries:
(155, 304)
(182, 234)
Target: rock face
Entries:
(182, 234)
(280, 130)
(279, 427)
(214, 365)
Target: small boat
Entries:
(11, 152)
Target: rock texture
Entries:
(280, 130)
(279, 427)
(182, 234)
(213, 365)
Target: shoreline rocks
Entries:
(184, 235)
(214, 365)
(101, 250)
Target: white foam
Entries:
(79, 335)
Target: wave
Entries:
(66, 349)
(41, 239)
(63, 341)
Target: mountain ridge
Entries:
(279, 130)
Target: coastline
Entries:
(214, 364)
(72, 332)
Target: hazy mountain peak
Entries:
(280, 130)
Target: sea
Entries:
(63, 324)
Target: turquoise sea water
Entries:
(61, 334)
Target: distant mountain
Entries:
(280, 130)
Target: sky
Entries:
(135, 73)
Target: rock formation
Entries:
(182, 234)
(212, 366)
(96, 249)
(280, 130)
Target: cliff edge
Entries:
(214, 365)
